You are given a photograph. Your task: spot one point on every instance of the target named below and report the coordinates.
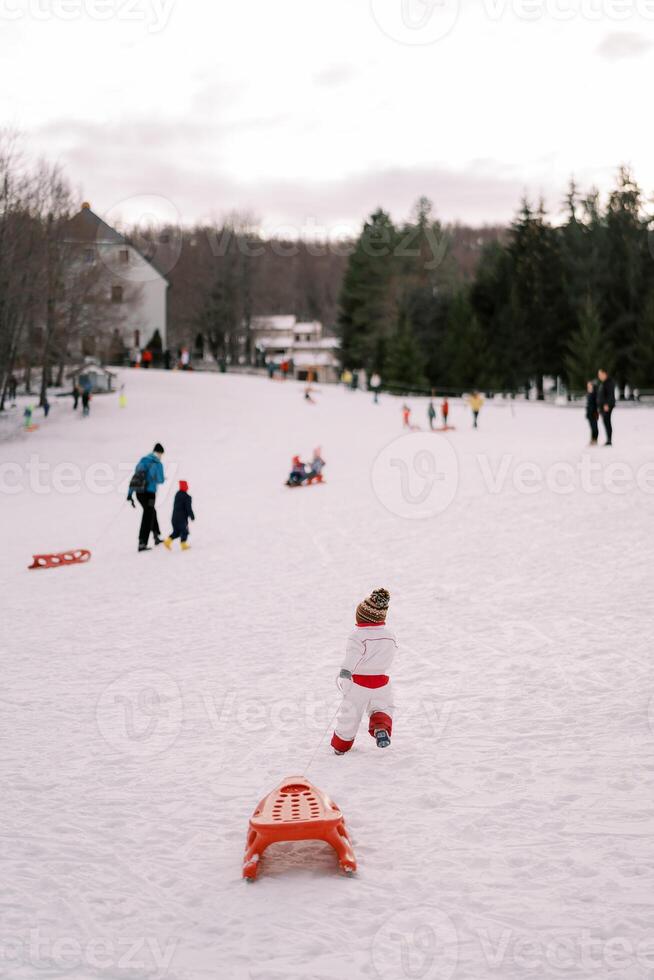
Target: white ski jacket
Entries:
(369, 654)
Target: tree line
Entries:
(50, 298)
(423, 304)
(545, 299)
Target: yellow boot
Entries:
(185, 545)
(168, 543)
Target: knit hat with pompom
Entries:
(374, 608)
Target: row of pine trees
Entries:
(548, 299)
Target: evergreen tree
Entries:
(626, 263)
(427, 276)
(466, 351)
(540, 310)
(588, 348)
(642, 353)
(491, 301)
(368, 306)
(405, 363)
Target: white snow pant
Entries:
(377, 702)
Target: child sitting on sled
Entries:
(182, 513)
(298, 473)
(363, 678)
(316, 466)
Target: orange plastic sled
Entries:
(296, 810)
(76, 557)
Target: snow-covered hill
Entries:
(150, 700)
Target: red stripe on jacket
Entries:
(370, 680)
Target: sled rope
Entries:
(109, 524)
(322, 738)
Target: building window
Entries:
(116, 294)
(89, 256)
(297, 337)
(124, 255)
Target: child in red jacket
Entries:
(364, 679)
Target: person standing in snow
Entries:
(182, 514)
(475, 401)
(76, 394)
(363, 678)
(591, 411)
(149, 474)
(406, 416)
(375, 385)
(431, 414)
(86, 401)
(606, 403)
(445, 409)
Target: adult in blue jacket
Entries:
(153, 475)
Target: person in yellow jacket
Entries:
(475, 401)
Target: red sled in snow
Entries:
(444, 428)
(76, 557)
(296, 810)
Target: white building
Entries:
(136, 290)
(278, 338)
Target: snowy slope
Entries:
(149, 701)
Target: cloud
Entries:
(623, 44)
(116, 163)
(335, 75)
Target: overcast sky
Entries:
(309, 113)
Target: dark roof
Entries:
(86, 227)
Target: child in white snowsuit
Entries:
(364, 679)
